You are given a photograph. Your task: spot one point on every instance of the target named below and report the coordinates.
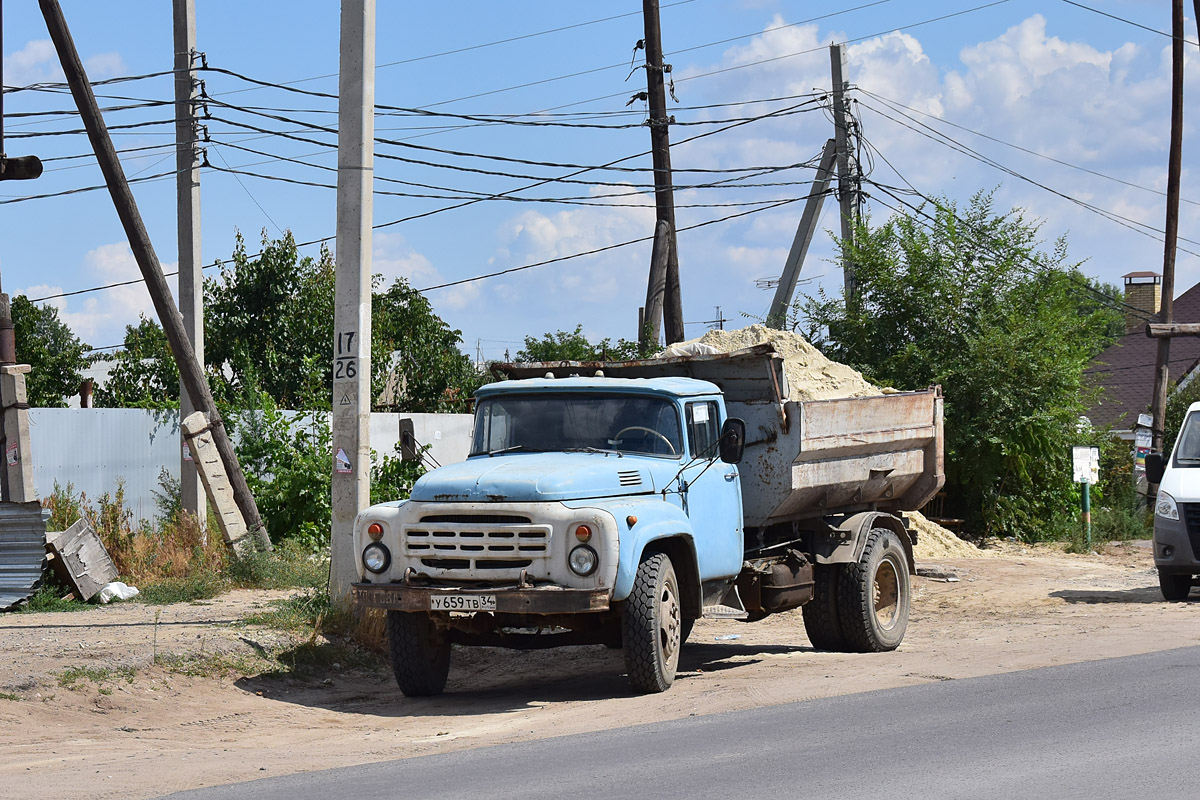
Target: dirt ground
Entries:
(145, 731)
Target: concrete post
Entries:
(847, 185)
(191, 276)
(351, 461)
(18, 456)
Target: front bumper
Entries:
(509, 600)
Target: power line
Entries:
(1127, 21)
(895, 106)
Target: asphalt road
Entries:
(1117, 728)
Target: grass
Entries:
(7, 696)
(70, 677)
(50, 598)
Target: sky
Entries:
(1069, 107)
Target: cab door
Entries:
(713, 498)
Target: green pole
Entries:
(1087, 512)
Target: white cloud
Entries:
(392, 257)
(104, 314)
(37, 62)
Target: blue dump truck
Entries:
(617, 503)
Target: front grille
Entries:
(477, 519)
(630, 477)
(1191, 519)
(475, 542)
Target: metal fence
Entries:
(94, 450)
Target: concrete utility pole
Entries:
(777, 316)
(187, 203)
(847, 169)
(190, 369)
(352, 303)
(1158, 401)
(664, 193)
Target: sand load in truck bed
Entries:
(810, 375)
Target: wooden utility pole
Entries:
(664, 193)
(187, 204)
(1158, 401)
(847, 170)
(352, 289)
(648, 325)
(777, 316)
(190, 370)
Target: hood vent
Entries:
(630, 477)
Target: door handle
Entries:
(731, 475)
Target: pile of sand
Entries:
(934, 541)
(810, 375)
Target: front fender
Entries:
(656, 520)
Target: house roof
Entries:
(1124, 372)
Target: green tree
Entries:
(143, 373)
(574, 346)
(56, 355)
(969, 300)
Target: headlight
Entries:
(376, 558)
(583, 560)
(1165, 507)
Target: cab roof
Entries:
(678, 387)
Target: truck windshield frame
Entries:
(549, 422)
(1187, 447)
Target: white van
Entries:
(1177, 510)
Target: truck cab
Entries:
(570, 483)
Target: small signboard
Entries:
(1085, 464)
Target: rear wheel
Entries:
(651, 626)
(821, 620)
(1174, 586)
(874, 595)
(420, 653)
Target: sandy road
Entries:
(148, 732)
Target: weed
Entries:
(50, 598)
(7, 696)
(198, 586)
(71, 676)
(213, 665)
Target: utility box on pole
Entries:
(351, 462)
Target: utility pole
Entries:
(656, 290)
(187, 204)
(664, 193)
(1158, 401)
(777, 316)
(190, 369)
(847, 170)
(352, 288)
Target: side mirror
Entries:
(1156, 465)
(733, 440)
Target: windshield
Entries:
(547, 423)
(1187, 450)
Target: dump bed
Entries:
(804, 459)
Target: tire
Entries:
(821, 620)
(651, 625)
(1174, 586)
(874, 595)
(420, 654)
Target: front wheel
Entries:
(1174, 586)
(651, 626)
(420, 653)
(874, 595)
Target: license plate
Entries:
(462, 602)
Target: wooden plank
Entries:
(1167, 330)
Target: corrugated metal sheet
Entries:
(94, 448)
(22, 551)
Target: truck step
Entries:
(724, 612)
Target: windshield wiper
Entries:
(590, 449)
(505, 450)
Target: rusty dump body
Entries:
(804, 460)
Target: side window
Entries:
(703, 428)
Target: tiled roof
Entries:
(1125, 371)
